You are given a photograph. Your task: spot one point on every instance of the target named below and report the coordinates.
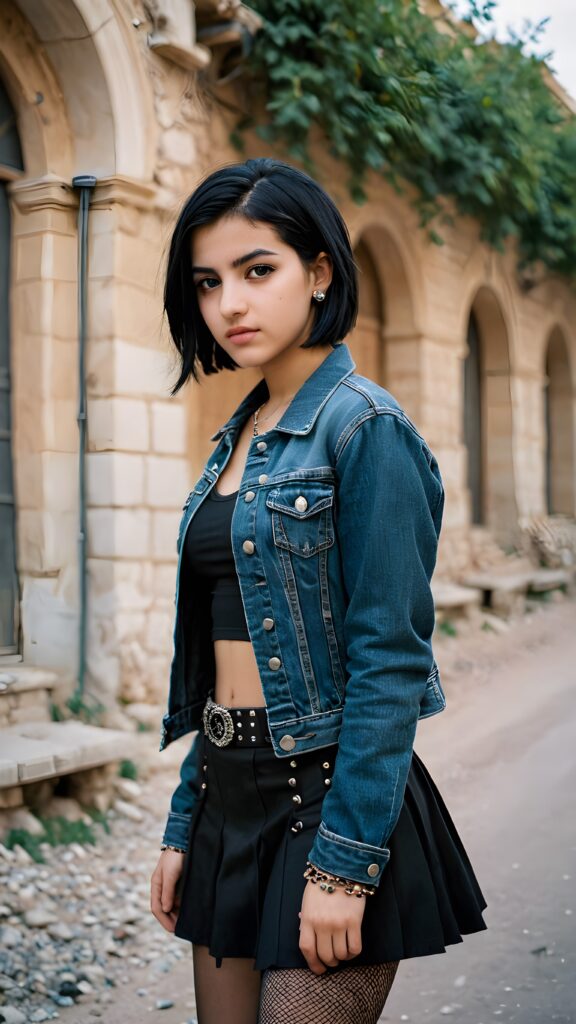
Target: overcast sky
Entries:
(559, 35)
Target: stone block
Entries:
(169, 427)
(163, 581)
(60, 478)
(33, 301)
(137, 260)
(166, 481)
(118, 423)
(8, 772)
(65, 310)
(62, 370)
(115, 478)
(178, 146)
(60, 426)
(158, 633)
(141, 371)
(164, 534)
(46, 749)
(13, 796)
(138, 313)
(28, 253)
(119, 532)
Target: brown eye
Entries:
(207, 284)
(261, 270)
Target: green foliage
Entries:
(87, 708)
(128, 770)
(448, 628)
(56, 831)
(452, 115)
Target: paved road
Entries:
(504, 757)
(506, 765)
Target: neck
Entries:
(285, 374)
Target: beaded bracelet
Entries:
(329, 883)
(166, 846)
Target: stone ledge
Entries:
(20, 678)
(451, 595)
(42, 750)
(549, 579)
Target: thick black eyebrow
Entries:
(238, 262)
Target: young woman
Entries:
(307, 850)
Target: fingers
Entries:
(340, 945)
(163, 902)
(353, 941)
(308, 948)
(325, 946)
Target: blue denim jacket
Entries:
(334, 533)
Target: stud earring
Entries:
(319, 295)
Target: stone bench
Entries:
(36, 751)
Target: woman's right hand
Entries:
(164, 902)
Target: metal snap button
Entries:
(268, 623)
(261, 446)
(372, 870)
(326, 764)
(327, 782)
(204, 785)
(275, 663)
(248, 547)
(297, 799)
(291, 782)
(262, 478)
(297, 826)
(287, 743)
(249, 496)
(293, 764)
(301, 504)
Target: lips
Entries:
(239, 335)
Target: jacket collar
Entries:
(301, 414)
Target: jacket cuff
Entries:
(337, 855)
(177, 829)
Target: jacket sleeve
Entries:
(184, 797)
(389, 510)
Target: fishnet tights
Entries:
(350, 995)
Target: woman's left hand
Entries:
(330, 927)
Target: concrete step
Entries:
(506, 580)
(452, 597)
(41, 750)
(550, 579)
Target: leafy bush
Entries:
(453, 115)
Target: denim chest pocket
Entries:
(302, 520)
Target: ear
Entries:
(322, 271)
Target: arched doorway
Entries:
(367, 338)
(487, 419)
(559, 427)
(10, 164)
(383, 340)
(473, 422)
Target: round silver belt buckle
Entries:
(218, 724)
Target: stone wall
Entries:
(149, 133)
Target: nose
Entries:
(232, 299)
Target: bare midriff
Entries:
(237, 677)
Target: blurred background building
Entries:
(483, 359)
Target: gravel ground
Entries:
(77, 938)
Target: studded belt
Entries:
(235, 727)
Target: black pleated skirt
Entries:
(241, 886)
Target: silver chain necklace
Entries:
(264, 418)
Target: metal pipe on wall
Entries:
(85, 183)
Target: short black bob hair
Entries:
(305, 218)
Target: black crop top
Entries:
(208, 554)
